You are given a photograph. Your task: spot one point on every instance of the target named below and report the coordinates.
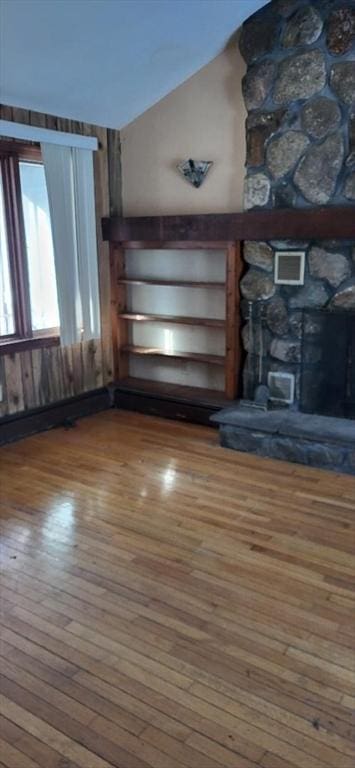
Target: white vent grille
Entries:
(289, 267)
(281, 386)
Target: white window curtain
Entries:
(70, 186)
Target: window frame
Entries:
(11, 153)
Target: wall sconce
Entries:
(195, 171)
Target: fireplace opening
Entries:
(328, 363)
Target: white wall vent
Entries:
(281, 386)
(289, 267)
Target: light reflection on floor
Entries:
(169, 478)
(60, 512)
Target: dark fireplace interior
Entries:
(328, 363)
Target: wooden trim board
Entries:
(171, 401)
(63, 413)
(218, 229)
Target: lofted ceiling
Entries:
(107, 61)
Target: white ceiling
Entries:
(107, 61)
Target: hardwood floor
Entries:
(168, 603)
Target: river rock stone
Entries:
(320, 116)
(268, 120)
(303, 28)
(349, 188)
(313, 294)
(333, 245)
(284, 196)
(285, 245)
(300, 76)
(257, 285)
(260, 126)
(259, 254)
(342, 81)
(295, 323)
(345, 297)
(256, 85)
(333, 267)
(312, 325)
(326, 456)
(341, 30)
(257, 38)
(285, 7)
(256, 190)
(317, 173)
(277, 316)
(288, 351)
(283, 153)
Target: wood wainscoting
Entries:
(172, 604)
(40, 377)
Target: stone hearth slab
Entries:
(319, 441)
(288, 423)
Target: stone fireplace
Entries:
(278, 318)
(299, 91)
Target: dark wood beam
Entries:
(298, 224)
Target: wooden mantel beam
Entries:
(297, 223)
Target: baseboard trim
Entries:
(18, 425)
(164, 407)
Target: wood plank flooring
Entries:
(166, 602)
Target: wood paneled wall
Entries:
(43, 376)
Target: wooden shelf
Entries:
(174, 401)
(175, 319)
(170, 283)
(194, 356)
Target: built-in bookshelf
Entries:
(175, 319)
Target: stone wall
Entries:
(299, 91)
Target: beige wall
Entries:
(203, 119)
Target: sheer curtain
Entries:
(39, 247)
(70, 186)
(7, 318)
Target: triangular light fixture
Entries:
(195, 171)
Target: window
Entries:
(7, 320)
(28, 291)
